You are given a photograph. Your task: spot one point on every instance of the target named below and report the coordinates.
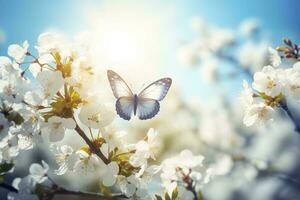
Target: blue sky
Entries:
(26, 19)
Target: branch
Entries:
(8, 187)
(63, 191)
(91, 145)
(192, 189)
(284, 106)
(234, 61)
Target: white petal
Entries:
(69, 123)
(66, 149)
(56, 136)
(113, 168)
(36, 169)
(109, 180)
(17, 52)
(249, 120)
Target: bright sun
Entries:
(129, 37)
(121, 45)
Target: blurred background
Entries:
(207, 48)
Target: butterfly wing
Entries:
(156, 90)
(125, 107)
(118, 85)
(147, 108)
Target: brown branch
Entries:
(8, 187)
(63, 191)
(284, 106)
(91, 145)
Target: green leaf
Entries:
(5, 167)
(175, 193)
(200, 196)
(15, 117)
(158, 197)
(167, 197)
(1, 179)
(39, 190)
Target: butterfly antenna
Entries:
(140, 89)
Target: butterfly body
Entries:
(135, 103)
(144, 104)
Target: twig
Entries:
(8, 187)
(284, 106)
(91, 145)
(233, 60)
(192, 189)
(63, 191)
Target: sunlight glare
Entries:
(130, 41)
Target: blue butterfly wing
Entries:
(148, 99)
(156, 90)
(147, 108)
(118, 85)
(125, 107)
(147, 103)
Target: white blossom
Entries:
(220, 38)
(246, 96)
(33, 98)
(253, 56)
(25, 187)
(51, 42)
(146, 173)
(144, 149)
(86, 162)
(249, 27)
(18, 52)
(25, 142)
(185, 164)
(223, 165)
(267, 81)
(9, 148)
(13, 89)
(258, 114)
(275, 58)
(39, 172)
(56, 127)
(131, 187)
(96, 115)
(51, 82)
(210, 70)
(126, 187)
(292, 82)
(34, 68)
(65, 158)
(184, 194)
(7, 67)
(115, 138)
(109, 174)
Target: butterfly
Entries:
(145, 104)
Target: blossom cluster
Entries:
(272, 87)
(214, 45)
(55, 93)
(239, 152)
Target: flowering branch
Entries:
(192, 189)
(63, 191)
(91, 145)
(284, 106)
